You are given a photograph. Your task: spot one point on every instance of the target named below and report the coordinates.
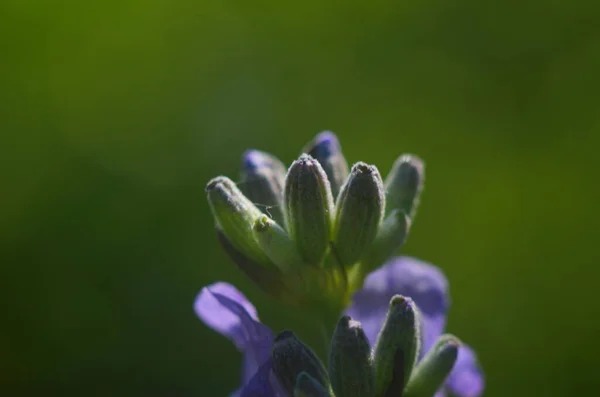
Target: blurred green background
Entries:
(115, 114)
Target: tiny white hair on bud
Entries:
(354, 324)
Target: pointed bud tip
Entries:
(215, 182)
(327, 137)
(402, 302)
(449, 341)
(305, 162)
(413, 160)
(403, 307)
(325, 144)
(348, 322)
(253, 159)
(284, 335)
(305, 159)
(364, 168)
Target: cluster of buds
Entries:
(308, 235)
(391, 369)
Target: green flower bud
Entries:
(404, 184)
(308, 208)
(390, 237)
(235, 216)
(350, 366)
(434, 368)
(307, 386)
(399, 337)
(263, 176)
(291, 357)
(359, 210)
(276, 243)
(326, 149)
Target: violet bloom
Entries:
(227, 311)
(427, 286)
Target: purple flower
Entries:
(428, 288)
(227, 311)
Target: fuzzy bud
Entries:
(308, 208)
(263, 177)
(235, 216)
(434, 368)
(350, 366)
(291, 357)
(399, 338)
(404, 184)
(359, 210)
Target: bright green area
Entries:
(115, 114)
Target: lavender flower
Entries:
(312, 237)
(227, 311)
(428, 287)
(309, 236)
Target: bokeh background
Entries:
(115, 114)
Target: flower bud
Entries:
(235, 215)
(404, 184)
(276, 243)
(434, 368)
(350, 366)
(399, 338)
(263, 176)
(359, 210)
(326, 149)
(390, 237)
(308, 208)
(307, 386)
(291, 357)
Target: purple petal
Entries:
(263, 383)
(226, 310)
(422, 282)
(466, 378)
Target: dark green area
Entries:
(114, 114)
